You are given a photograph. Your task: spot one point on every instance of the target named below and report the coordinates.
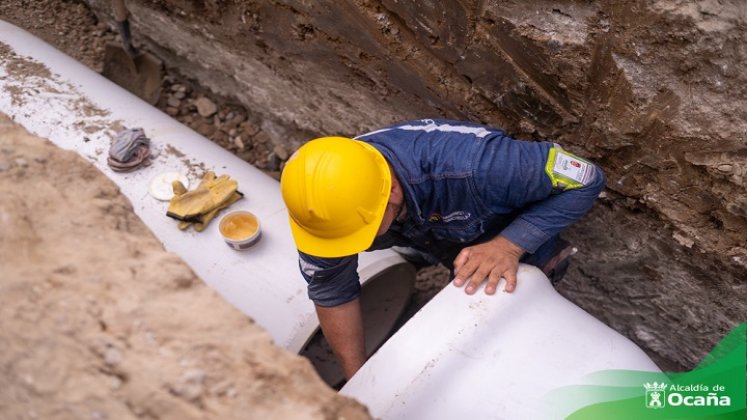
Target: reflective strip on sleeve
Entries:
(308, 268)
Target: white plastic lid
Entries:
(160, 185)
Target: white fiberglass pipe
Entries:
(57, 98)
(491, 357)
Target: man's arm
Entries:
(546, 212)
(343, 328)
(334, 288)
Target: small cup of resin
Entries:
(240, 229)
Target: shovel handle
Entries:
(123, 26)
(120, 10)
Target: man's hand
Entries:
(494, 259)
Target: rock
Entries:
(238, 119)
(113, 357)
(246, 155)
(176, 87)
(238, 142)
(725, 168)
(222, 139)
(206, 129)
(172, 111)
(179, 95)
(248, 128)
(22, 162)
(174, 102)
(280, 152)
(205, 107)
(683, 240)
(262, 137)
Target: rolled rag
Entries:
(129, 150)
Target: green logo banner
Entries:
(715, 389)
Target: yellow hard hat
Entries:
(336, 190)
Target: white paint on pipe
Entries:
(79, 110)
(490, 357)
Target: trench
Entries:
(669, 218)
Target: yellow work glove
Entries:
(212, 193)
(180, 189)
(206, 218)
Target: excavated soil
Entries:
(98, 321)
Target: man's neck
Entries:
(402, 215)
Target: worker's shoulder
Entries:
(434, 126)
(445, 126)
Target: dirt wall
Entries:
(654, 91)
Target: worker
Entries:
(462, 194)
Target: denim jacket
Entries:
(463, 184)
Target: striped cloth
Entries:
(129, 150)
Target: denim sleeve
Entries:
(331, 281)
(549, 216)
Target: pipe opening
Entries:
(383, 300)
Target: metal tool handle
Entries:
(123, 26)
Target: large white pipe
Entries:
(77, 109)
(491, 357)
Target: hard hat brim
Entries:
(358, 241)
